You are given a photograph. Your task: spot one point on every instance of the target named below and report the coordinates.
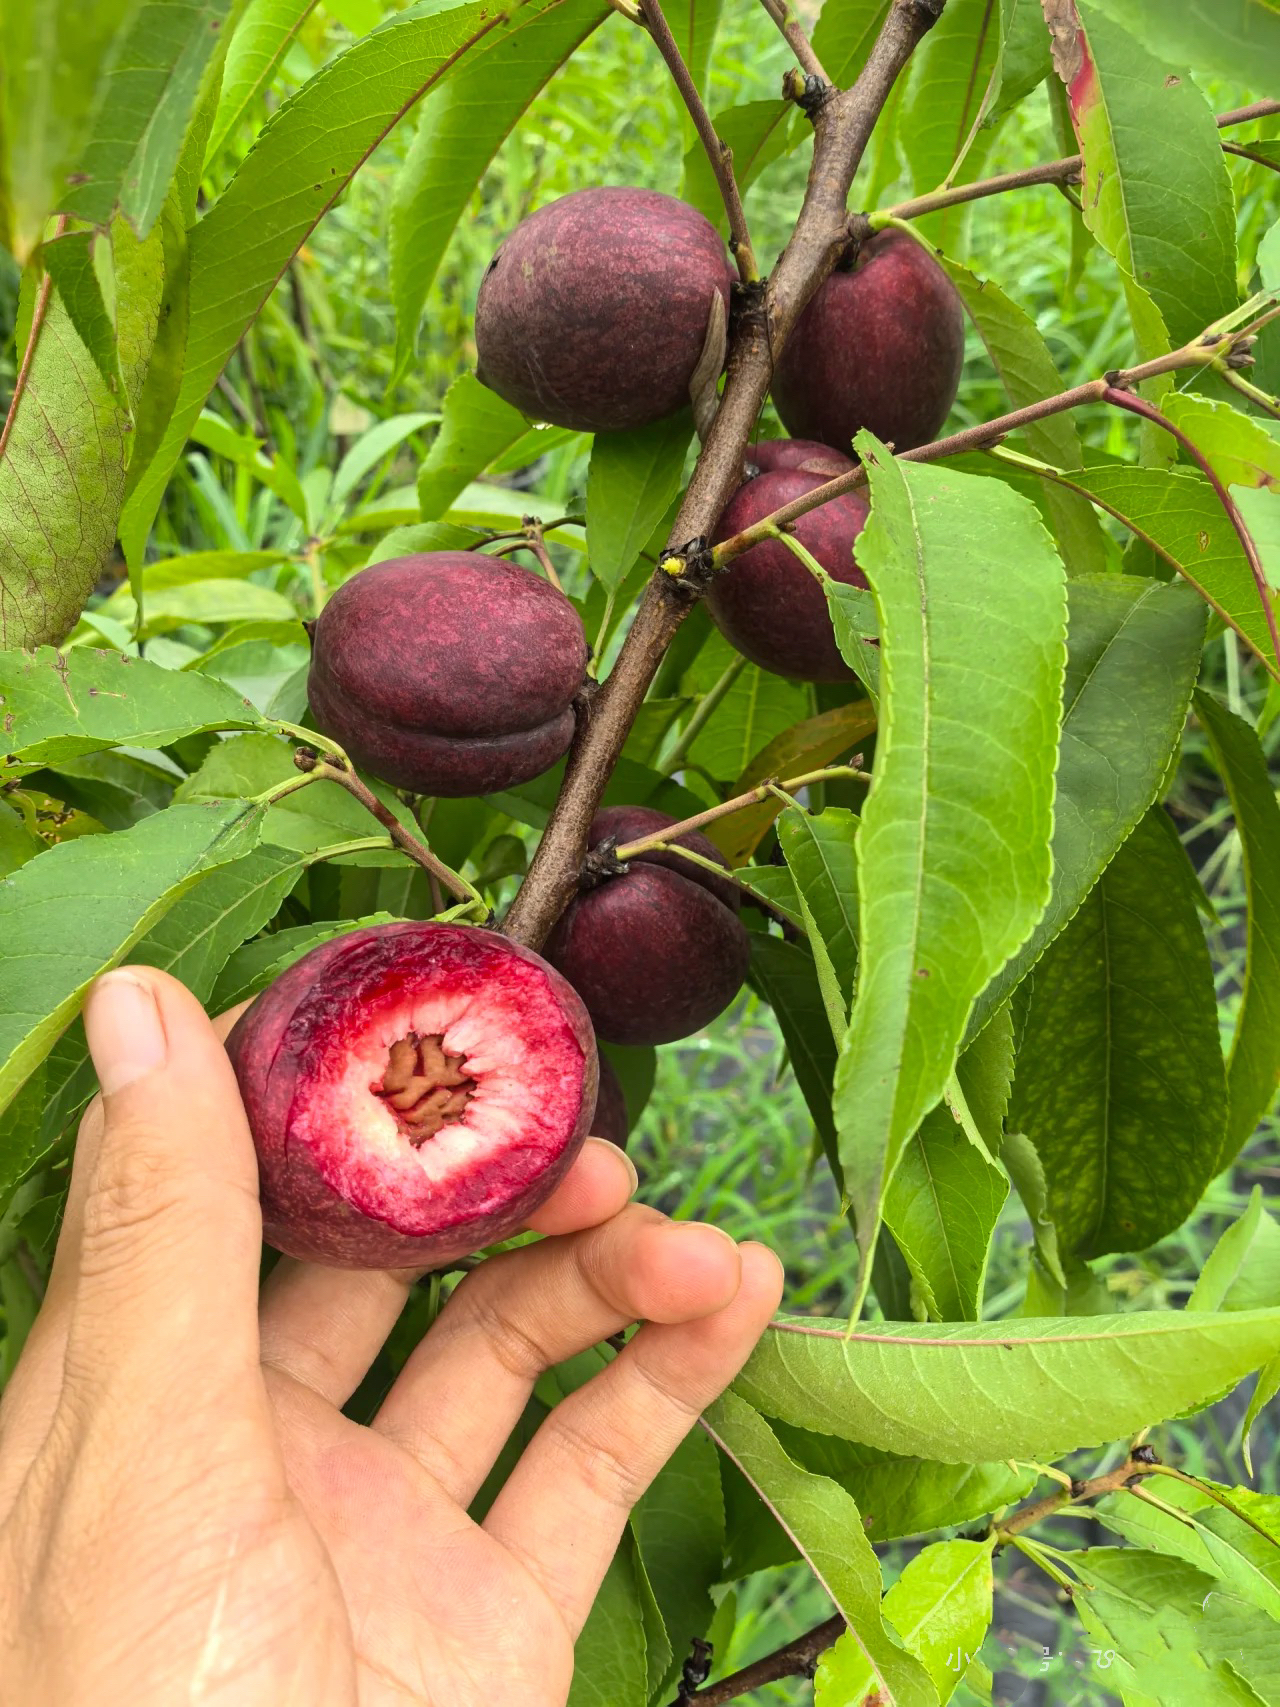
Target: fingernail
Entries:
(125, 1031)
(708, 1227)
(615, 1150)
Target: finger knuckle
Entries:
(516, 1348)
(607, 1467)
(137, 1190)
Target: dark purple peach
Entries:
(593, 314)
(879, 347)
(767, 604)
(448, 673)
(771, 456)
(658, 952)
(415, 1091)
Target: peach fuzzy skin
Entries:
(593, 314)
(448, 672)
(879, 347)
(343, 1179)
(657, 952)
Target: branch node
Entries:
(691, 567)
(808, 92)
(306, 759)
(602, 863)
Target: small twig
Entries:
(796, 39)
(1242, 115)
(978, 437)
(1256, 395)
(1139, 406)
(1248, 154)
(798, 1658)
(534, 542)
(753, 797)
(333, 770)
(1064, 171)
(718, 155)
(1078, 1493)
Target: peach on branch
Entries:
(657, 951)
(767, 603)
(880, 346)
(594, 312)
(449, 672)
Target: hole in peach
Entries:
(424, 1086)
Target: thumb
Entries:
(163, 1210)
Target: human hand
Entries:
(185, 1513)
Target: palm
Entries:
(438, 1611)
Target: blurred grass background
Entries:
(726, 1136)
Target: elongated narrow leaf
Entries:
(1120, 1057)
(953, 853)
(458, 136)
(757, 709)
(1253, 1065)
(807, 746)
(256, 964)
(826, 1526)
(631, 480)
(783, 973)
(53, 55)
(1133, 651)
(262, 38)
(897, 1496)
(940, 1606)
(942, 1206)
(1178, 514)
(144, 104)
(477, 427)
(83, 273)
(1027, 1389)
(1023, 58)
(54, 705)
(756, 133)
(1021, 358)
(61, 492)
(1155, 192)
(300, 165)
(820, 854)
(78, 909)
(1243, 1270)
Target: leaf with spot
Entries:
(144, 104)
(1155, 192)
(1239, 39)
(953, 850)
(1120, 1069)
(66, 448)
(58, 704)
(1029, 1388)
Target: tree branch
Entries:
(797, 1659)
(719, 156)
(842, 128)
(752, 797)
(1061, 172)
(981, 436)
(796, 39)
(337, 770)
